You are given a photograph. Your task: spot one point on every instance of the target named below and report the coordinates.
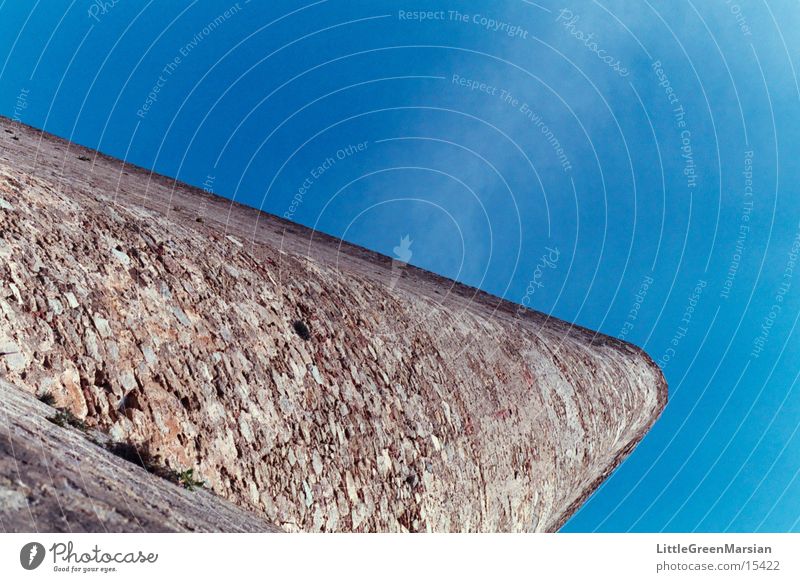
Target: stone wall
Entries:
(58, 479)
(412, 404)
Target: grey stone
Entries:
(11, 500)
(181, 316)
(78, 486)
(102, 326)
(121, 257)
(71, 300)
(429, 407)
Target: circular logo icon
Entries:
(31, 555)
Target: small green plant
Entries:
(64, 418)
(47, 398)
(187, 480)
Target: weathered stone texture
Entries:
(417, 403)
(54, 479)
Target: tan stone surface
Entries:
(55, 479)
(417, 404)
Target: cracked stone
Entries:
(71, 300)
(102, 326)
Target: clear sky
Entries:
(654, 145)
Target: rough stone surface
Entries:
(54, 479)
(415, 404)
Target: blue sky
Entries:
(654, 144)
